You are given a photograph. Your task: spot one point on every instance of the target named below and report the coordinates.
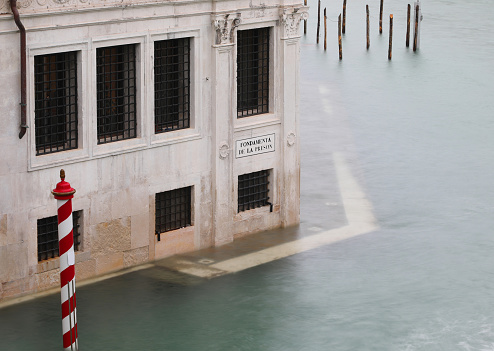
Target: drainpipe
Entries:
(13, 6)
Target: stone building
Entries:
(175, 120)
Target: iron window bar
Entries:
(55, 102)
(253, 191)
(48, 235)
(116, 93)
(252, 72)
(172, 84)
(173, 210)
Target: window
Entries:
(55, 106)
(171, 85)
(48, 235)
(253, 190)
(173, 210)
(252, 72)
(116, 93)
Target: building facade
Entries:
(175, 121)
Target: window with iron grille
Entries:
(252, 72)
(55, 102)
(253, 190)
(116, 93)
(171, 84)
(48, 235)
(173, 209)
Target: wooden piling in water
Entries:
(325, 31)
(339, 37)
(305, 21)
(408, 25)
(344, 17)
(368, 27)
(381, 18)
(318, 20)
(390, 51)
(415, 34)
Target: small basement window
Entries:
(253, 190)
(173, 210)
(48, 235)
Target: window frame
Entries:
(258, 203)
(161, 197)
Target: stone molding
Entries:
(225, 26)
(290, 18)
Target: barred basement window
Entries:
(48, 235)
(252, 72)
(173, 210)
(253, 189)
(171, 85)
(55, 102)
(116, 93)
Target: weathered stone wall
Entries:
(116, 183)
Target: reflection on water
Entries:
(418, 131)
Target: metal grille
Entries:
(253, 190)
(55, 106)
(171, 84)
(253, 72)
(48, 235)
(173, 209)
(116, 92)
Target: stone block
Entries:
(13, 262)
(3, 229)
(109, 262)
(85, 270)
(111, 237)
(136, 256)
(140, 230)
(48, 279)
(174, 242)
(18, 287)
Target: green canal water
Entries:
(418, 133)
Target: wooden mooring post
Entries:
(339, 37)
(408, 25)
(390, 50)
(344, 17)
(318, 20)
(381, 18)
(416, 31)
(368, 27)
(305, 21)
(325, 31)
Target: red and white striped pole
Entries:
(64, 194)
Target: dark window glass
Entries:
(116, 93)
(173, 209)
(48, 235)
(253, 190)
(252, 72)
(55, 111)
(171, 85)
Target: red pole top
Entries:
(63, 191)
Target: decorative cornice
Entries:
(225, 26)
(290, 18)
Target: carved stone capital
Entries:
(290, 18)
(225, 26)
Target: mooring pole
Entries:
(390, 51)
(344, 17)
(64, 194)
(416, 32)
(381, 18)
(325, 31)
(339, 37)
(368, 27)
(305, 21)
(318, 20)
(408, 26)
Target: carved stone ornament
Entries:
(224, 150)
(225, 26)
(290, 18)
(290, 139)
